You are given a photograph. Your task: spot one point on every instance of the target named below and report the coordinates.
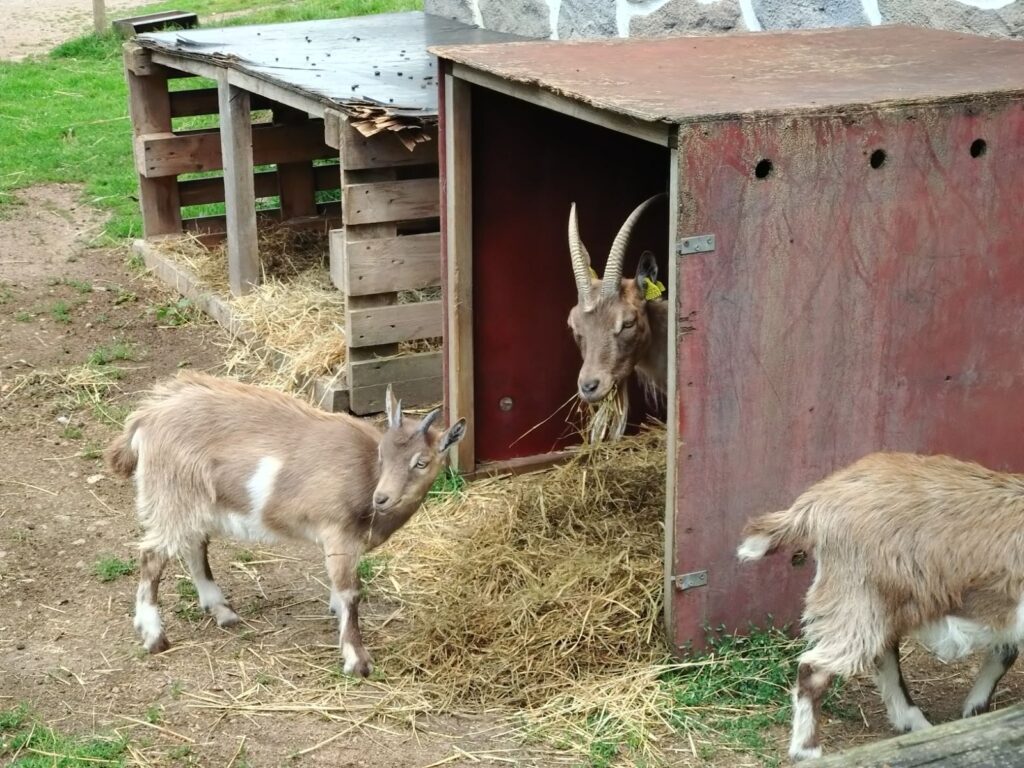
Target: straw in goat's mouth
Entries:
(608, 418)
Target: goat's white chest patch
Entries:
(260, 485)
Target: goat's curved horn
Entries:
(428, 420)
(580, 259)
(613, 269)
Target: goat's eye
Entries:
(421, 464)
(628, 323)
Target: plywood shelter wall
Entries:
(846, 309)
(528, 165)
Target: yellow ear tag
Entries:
(655, 288)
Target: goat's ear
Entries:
(393, 408)
(646, 271)
(455, 432)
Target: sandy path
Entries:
(35, 26)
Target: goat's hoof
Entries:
(804, 753)
(224, 615)
(976, 709)
(358, 663)
(159, 645)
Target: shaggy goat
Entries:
(617, 329)
(926, 546)
(214, 457)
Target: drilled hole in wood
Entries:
(877, 158)
(978, 147)
(763, 168)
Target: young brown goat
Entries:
(616, 328)
(926, 546)
(214, 457)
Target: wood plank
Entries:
(336, 259)
(672, 414)
(995, 739)
(380, 202)
(236, 137)
(296, 181)
(381, 370)
(392, 324)
(383, 150)
(211, 190)
(657, 133)
(328, 215)
(519, 466)
(137, 59)
(149, 108)
(459, 265)
(203, 101)
(403, 263)
(414, 393)
(160, 154)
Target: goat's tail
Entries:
(764, 534)
(120, 456)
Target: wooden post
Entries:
(239, 186)
(459, 236)
(296, 181)
(149, 105)
(99, 16)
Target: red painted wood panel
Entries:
(529, 164)
(847, 309)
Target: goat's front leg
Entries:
(343, 570)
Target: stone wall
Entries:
(562, 19)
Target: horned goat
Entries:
(617, 329)
(907, 545)
(214, 457)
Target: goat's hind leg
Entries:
(904, 715)
(811, 686)
(147, 610)
(211, 598)
(997, 662)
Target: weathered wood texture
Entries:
(236, 139)
(150, 111)
(373, 259)
(995, 740)
(836, 317)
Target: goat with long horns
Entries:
(616, 326)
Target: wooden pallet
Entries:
(384, 232)
(390, 243)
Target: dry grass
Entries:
(296, 314)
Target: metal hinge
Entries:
(685, 581)
(696, 244)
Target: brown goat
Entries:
(214, 457)
(616, 328)
(907, 545)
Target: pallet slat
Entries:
(385, 201)
(403, 263)
(203, 101)
(168, 154)
(391, 324)
(416, 379)
(211, 190)
(384, 151)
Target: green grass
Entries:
(65, 116)
(174, 313)
(105, 355)
(188, 601)
(110, 568)
(23, 317)
(448, 483)
(61, 312)
(27, 743)
(71, 432)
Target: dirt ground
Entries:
(67, 647)
(36, 26)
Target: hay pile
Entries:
(538, 594)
